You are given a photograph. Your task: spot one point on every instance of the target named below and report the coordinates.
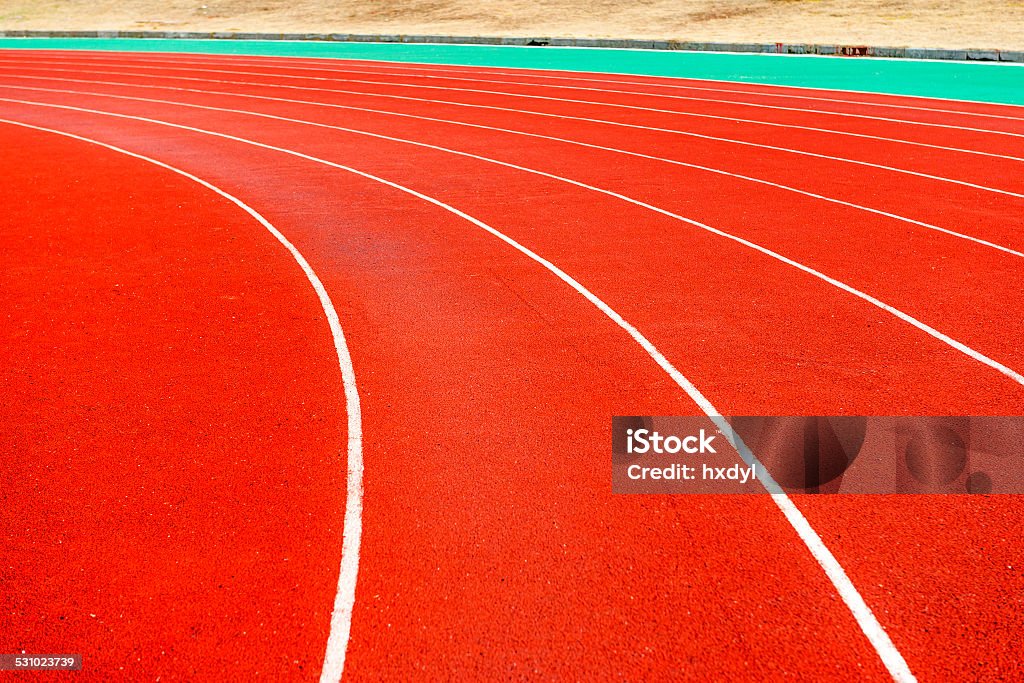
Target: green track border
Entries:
(996, 82)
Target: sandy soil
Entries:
(894, 23)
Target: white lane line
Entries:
(341, 616)
(927, 329)
(869, 624)
(474, 76)
(879, 212)
(676, 86)
(731, 119)
(619, 124)
(504, 93)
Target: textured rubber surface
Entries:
(173, 453)
(177, 450)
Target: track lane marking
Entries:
(906, 317)
(549, 98)
(341, 616)
(865, 618)
(893, 169)
(709, 169)
(731, 119)
(152, 64)
(680, 86)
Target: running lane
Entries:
(787, 151)
(486, 553)
(174, 432)
(945, 280)
(815, 379)
(922, 120)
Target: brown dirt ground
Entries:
(893, 23)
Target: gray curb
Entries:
(764, 48)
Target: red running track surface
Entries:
(175, 438)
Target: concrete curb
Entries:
(762, 48)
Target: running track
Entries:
(272, 320)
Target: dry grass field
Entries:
(911, 23)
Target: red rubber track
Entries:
(173, 491)
(491, 546)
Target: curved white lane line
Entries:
(906, 317)
(731, 119)
(677, 86)
(675, 162)
(475, 77)
(620, 124)
(341, 616)
(869, 624)
(823, 112)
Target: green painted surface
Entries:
(980, 81)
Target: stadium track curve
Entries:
(787, 251)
